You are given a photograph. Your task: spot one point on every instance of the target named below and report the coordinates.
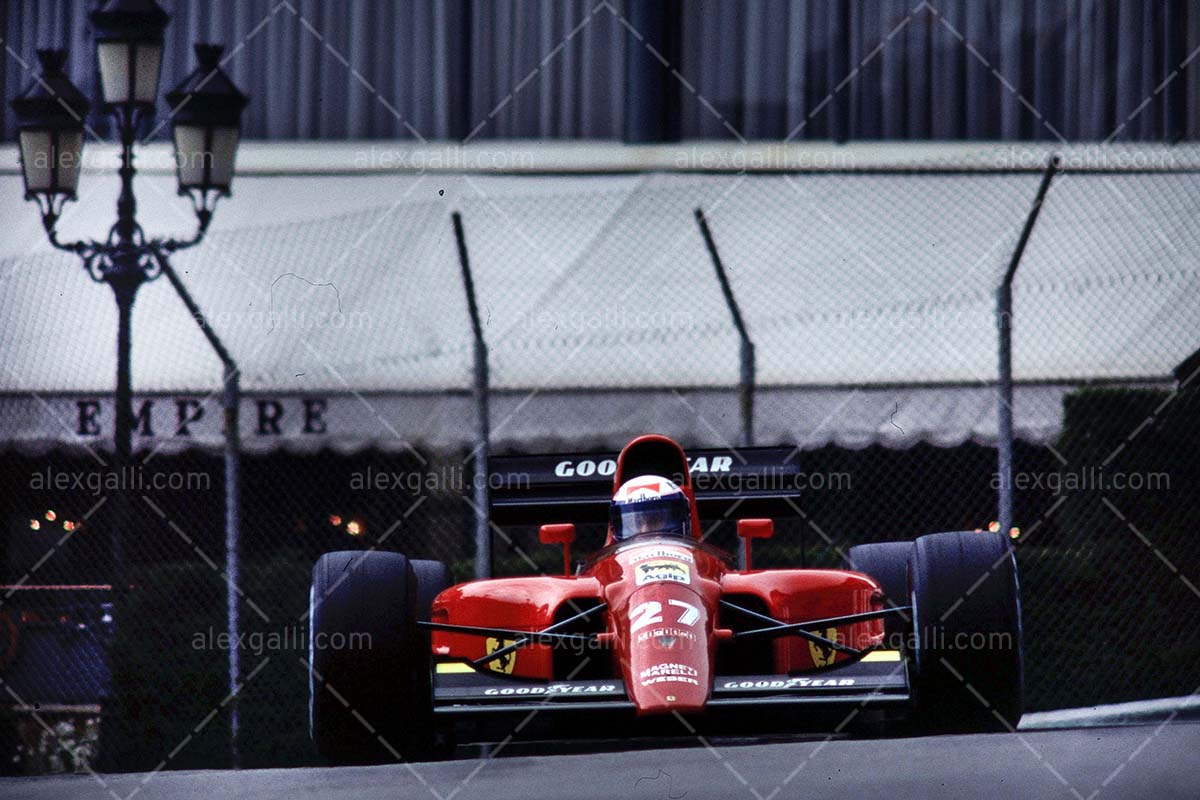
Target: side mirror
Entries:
(749, 529)
(756, 528)
(560, 533)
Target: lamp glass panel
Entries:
(190, 155)
(224, 152)
(114, 71)
(70, 160)
(36, 160)
(149, 59)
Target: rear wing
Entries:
(577, 487)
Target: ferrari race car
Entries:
(659, 627)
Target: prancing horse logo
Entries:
(822, 654)
(504, 663)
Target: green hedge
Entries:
(170, 669)
(1106, 619)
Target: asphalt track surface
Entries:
(1079, 764)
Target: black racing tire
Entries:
(967, 663)
(369, 692)
(887, 563)
(433, 578)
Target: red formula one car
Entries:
(659, 628)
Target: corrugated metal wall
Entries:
(766, 69)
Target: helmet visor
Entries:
(662, 515)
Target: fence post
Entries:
(232, 398)
(483, 534)
(231, 402)
(1004, 408)
(747, 365)
(746, 371)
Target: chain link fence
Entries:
(870, 301)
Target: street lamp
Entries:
(206, 111)
(50, 137)
(129, 43)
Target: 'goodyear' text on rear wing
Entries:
(576, 487)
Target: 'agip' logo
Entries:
(669, 570)
(822, 654)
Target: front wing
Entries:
(878, 678)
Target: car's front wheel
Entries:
(968, 669)
(369, 693)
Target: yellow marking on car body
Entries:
(882, 655)
(454, 667)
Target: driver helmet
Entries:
(649, 504)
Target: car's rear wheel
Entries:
(433, 578)
(887, 563)
(967, 658)
(369, 693)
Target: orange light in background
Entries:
(51, 516)
(335, 520)
(34, 525)
(1014, 532)
(354, 527)
(69, 525)
(994, 526)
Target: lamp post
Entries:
(205, 110)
